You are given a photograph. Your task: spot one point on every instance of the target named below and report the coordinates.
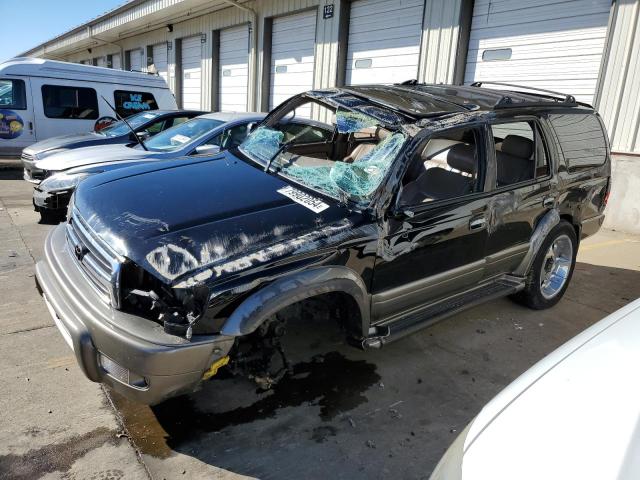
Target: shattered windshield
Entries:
(345, 153)
(176, 137)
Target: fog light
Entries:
(120, 373)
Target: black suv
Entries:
(399, 206)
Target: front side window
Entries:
(64, 102)
(136, 121)
(130, 102)
(183, 134)
(519, 151)
(331, 154)
(13, 94)
(447, 166)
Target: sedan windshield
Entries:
(178, 136)
(346, 155)
(136, 121)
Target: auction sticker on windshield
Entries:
(180, 138)
(312, 203)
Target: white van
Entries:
(43, 98)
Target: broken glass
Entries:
(263, 143)
(349, 122)
(358, 179)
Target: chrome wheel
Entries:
(556, 266)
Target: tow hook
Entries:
(213, 369)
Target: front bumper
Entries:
(51, 201)
(168, 364)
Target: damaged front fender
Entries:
(286, 291)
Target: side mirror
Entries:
(144, 135)
(207, 149)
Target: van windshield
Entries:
(180, 135)
(120, 128)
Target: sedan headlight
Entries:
(61, 181)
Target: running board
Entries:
(413, 322)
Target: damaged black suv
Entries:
(401, 204)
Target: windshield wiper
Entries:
(127, 124)
(282, 149)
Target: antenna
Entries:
(127, 124)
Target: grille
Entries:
(99, 264)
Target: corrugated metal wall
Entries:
(619, 99)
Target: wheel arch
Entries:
(296, 287)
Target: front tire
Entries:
(51, 217)
(552, 268)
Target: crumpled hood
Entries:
(88, 155)
(65, 141)
(195, 220)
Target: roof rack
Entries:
(506, 101)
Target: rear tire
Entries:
(552, 269)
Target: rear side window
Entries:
(520, 152)
(13, 94)
(581, 139)
(69, 102)
(130, 102)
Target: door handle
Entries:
(478, 223)
(548, 202)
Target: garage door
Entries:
(234, 69)
(546, 44)
(384, 41)
(116, 61)
(101, 62)
(135, 60)
(292, 56)
(191, 72)
(160, 60)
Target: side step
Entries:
(415, 321)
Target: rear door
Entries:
(17, 128)
(524, 191)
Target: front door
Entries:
(17, 129)
(436, 240)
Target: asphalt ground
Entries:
(344, 413)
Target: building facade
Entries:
(252, 55)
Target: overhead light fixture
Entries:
(170, 28)
(89, 50)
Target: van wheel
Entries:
(552, 269)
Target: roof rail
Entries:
(507, 101)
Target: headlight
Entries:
(61, 181)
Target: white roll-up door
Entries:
(234, 69)
(556, 45)
(102, 62)
(384, 41)
(116, 61)
(135, 60)
(191, 72)
(160, 60)
(292, 56)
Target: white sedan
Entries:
(573, 415)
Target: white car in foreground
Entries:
(573, 415)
